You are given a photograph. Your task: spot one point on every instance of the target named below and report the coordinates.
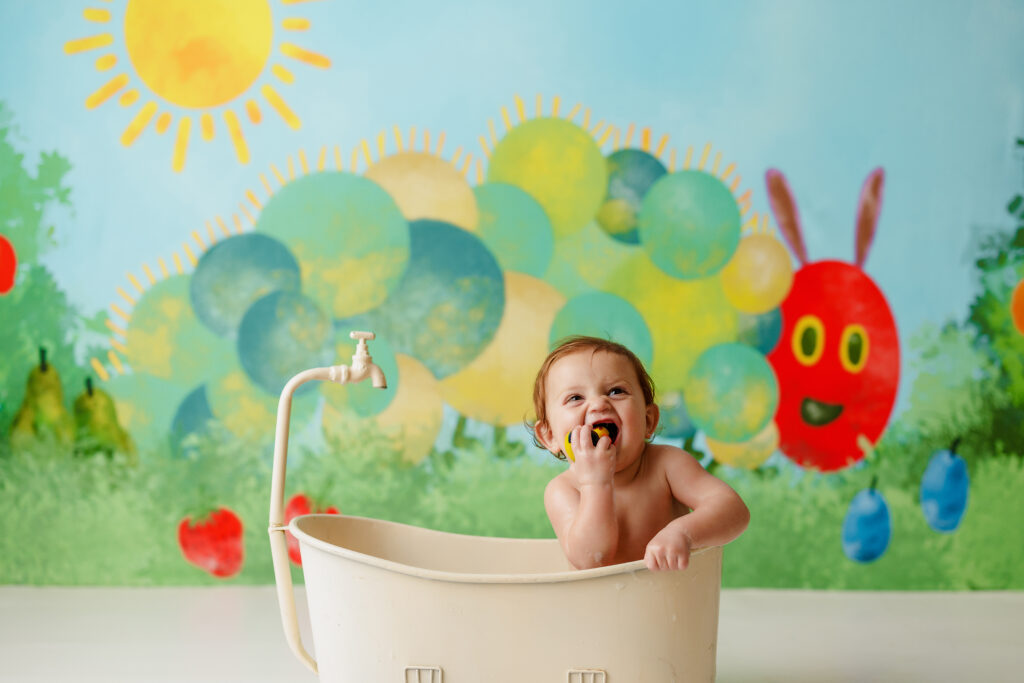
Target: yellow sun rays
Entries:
(167, 84)
(117, 323)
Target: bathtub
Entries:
(393, 603)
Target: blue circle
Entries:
(760, 330)
(192, 417)
(674, 421)
(449, 303)
(631, 173)
(281, 335)
(236, 272)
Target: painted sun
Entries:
(203, 68)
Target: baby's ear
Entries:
(543, 432)
(653, 415)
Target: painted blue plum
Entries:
(944, 491)
(867, 527)
(192, 417)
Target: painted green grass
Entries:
(74, 521)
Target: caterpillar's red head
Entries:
(837, 361)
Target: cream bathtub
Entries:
(392, 603)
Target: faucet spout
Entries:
(362, 370)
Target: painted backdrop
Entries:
(805, 218)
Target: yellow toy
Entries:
(596, 433)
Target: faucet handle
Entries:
(362, 336)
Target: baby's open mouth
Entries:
(608, 429)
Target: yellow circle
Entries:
(250, 413)
(497, 387)
(411, 421)
(559, 164)
(759, 275)
(198, 53)
(749, 454)
(425, 186)
(853, 348)
(685, 317)
(808, 340)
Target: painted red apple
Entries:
(299, 505)
(8, 264)
(213, 543)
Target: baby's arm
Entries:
(718, 514)
(584, 518)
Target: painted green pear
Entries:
(42, 416)
(96, 427)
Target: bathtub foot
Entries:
(423, 674)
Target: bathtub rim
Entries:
(462, 577)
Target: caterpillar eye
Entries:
(808, 339)
(853, 348)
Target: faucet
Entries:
(362, 362)
(362, 367)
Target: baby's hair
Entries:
(571, 345)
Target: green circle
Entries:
(603, 315)
(348, 235)
(689, 224)
(731, 393)
(559, 164)
(166, 339)
(515, 228)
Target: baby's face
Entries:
(588, 388)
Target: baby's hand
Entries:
(595, 463)
(669, 549)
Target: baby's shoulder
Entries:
(665, 458)
(561, 482)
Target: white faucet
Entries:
(361, 368)
(362, 363)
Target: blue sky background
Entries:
(933, 91)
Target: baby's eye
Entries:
(574, 397)
(616, 390)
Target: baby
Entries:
(622, 499)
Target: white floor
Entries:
(234, 634)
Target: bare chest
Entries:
(641, 512)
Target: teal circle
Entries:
(515, 228)
(731, 392)
(281, 335)
(674, 421)
(631, 173)
(760, 330)
(348, 235)
(447, 307)
(607, 316)
(689, 224)
(234, 273)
